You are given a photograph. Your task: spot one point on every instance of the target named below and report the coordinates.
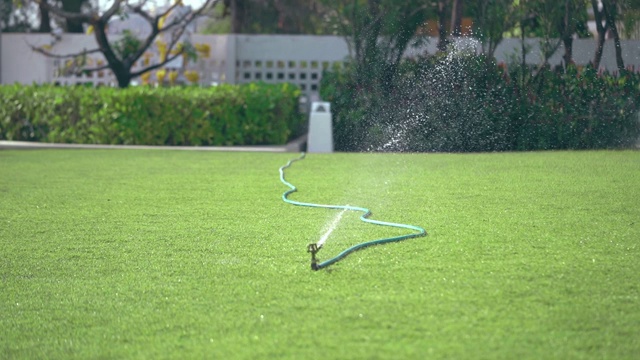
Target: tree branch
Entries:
(105, 46)
(188, 17)
(97, 68)
(57, 56)
(155, 30)
(175, 5)
(111, 11)
(138, 10)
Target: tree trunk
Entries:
(456, 18)
(602, 32)
(45, 19)
(119, 69)
(442, 31)
(524, 51)
(237, 16)
(568, 51)
(73, 6)
(567, 34)
(124, 79)
(610, 10)
(371, 56)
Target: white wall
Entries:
(18, 63)
(583, 52)
(243, 58)
(296, 59)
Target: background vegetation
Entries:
(463, 102)
(459, 99)
(250, 114)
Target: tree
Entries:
(72, 24)
(122, 55)
(630, 10)
(567, 29)
(45, 19)
(554, 22)
(492, 19)
(236, 9)
(456, 18)
(442, 31)
(277, 16)
(16, 17)
(610, 9)
(378, 33)
(606, 14)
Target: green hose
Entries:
(314, 248)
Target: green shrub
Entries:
(468, 103)
(248, 114)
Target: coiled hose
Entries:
(314, 248)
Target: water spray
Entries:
(314, 248)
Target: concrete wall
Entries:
(296, 59)
(583, 52)
(243, 58)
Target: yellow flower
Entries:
(160, 74)
(177, 49)
(145, 78)
(161, 22)
(204, 50)
(192, 75)
(173, 75)
(161, 45)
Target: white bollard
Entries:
(320, 137)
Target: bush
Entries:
(464, 102)
(249, 114)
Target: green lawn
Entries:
(159, 254)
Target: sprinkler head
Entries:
(313, 249)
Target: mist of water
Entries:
(440, 107)
(330, 228)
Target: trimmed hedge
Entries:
(248, 114)
(468, 103)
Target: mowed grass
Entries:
(160, 254)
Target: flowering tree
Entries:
(121, 55)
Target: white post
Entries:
(320, 137)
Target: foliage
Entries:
(127, 45)
(470, 103)
(630, 18)
(378, 33)
(272, 17)
(492, 19)
(15, 18)
(225, 115)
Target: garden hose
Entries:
(315, 247)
